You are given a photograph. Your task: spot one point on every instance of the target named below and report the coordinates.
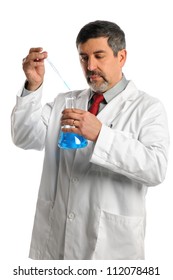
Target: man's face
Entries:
(101, 68)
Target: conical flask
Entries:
(70, 140)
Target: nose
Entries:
(92, 64)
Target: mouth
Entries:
(94, 77)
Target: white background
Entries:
(54, 25)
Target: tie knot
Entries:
(97, 99)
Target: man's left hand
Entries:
(81, 122)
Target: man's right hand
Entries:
(33, 66)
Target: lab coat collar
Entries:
(118, 104)
(114, 107)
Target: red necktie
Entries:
(97, 99)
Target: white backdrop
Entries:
(54, 25)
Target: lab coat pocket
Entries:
(120, 237)
(41, 230)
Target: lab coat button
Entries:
(71, 216)
(74, 180)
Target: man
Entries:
(91, 202)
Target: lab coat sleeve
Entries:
(29, 121)
(142, 158)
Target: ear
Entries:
(122, 57)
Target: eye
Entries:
(84, 58)
(99, 56)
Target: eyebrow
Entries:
(99, 51)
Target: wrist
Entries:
(31, 87)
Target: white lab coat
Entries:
(91, 202)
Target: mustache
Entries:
(91, 73)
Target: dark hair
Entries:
(102, 28)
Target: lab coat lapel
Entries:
(118, 104)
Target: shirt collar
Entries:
(114, 91)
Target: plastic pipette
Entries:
(57, 72)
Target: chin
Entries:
(99, 88)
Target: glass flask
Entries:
(70, 140)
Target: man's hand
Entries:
(33, 66)
(81, 122)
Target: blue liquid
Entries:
(69, 140)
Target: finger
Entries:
(35, 58)
(33, 63)
(71, 122)
(71, 129)
(74, 110)
(36, 50)
(71, 116)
